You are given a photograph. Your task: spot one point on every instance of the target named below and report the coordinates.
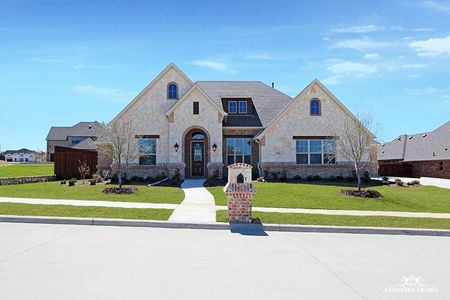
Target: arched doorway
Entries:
(196, 154)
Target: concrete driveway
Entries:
(40, 261)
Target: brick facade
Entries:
(437, 169)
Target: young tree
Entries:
(83, 170)
(119, 136)
(356, 141)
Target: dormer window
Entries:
(232, 107)
(172, 91)
(315, 107)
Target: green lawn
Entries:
(416, 199)
(329, 220)
(53, 190)
(22, 170)
(20, 209)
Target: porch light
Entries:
(214, 147)
(176, 146)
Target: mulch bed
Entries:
(122, 190)
(362, 193)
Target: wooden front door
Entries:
(198, 158)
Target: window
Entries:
(232, 107)
(75, 140)
(197, 136)
(441, 166)
(315, 107)
(242, 107)
(239, 150)
(172, 91)
(196, 108)
(316, 152)
(147, 151)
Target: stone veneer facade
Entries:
(172, 120)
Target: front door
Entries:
(198, 158)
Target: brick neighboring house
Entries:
(80, 136)
(417, 155)
(198, 128)
(23, 155)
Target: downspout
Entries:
(259, 161)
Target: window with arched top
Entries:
(172, 91)
(197, 135)
(314, 107)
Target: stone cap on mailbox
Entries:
(240, 173)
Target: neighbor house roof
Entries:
(23, 150)
(268, 102)
(89, 129)
(433, 145)
(86, 144)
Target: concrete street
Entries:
(40, 261)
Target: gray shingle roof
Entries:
(433, 145)
(268, 102)
(23, 150)
(81, 129)
(86, 144)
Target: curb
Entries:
(236, 227)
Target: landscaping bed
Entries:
(54, 190)
(20, 209)
(327, 195)
(334, 220)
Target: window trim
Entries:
(176, 91)
(246, 107)
(141, 154)
(319, 107)
(229, 106)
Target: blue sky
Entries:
(67, 61)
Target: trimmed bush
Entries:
(362, 193)
(297, 177)
(366, 177)
(72, 182)
(92, 182)
(385, 178)
(333, 178)
(339, 177)
(63, 182)
(317, 177)
(137, 178)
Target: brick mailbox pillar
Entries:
(240, 192)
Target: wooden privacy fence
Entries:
(67, 161)
(399, 170)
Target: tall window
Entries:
(316, 152)
(242, 107)
(196, 108)
(239, 150)
(147, 151)
(172, 91)
(232, 107)
(315, 107)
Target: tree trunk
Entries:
(119, 174)
(358, 177)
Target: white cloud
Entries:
(414, 66)
(272, 56)
(426, 91)
(103, 92)
(358, 29)
(214, 65)
(432, 47)
(372, 56)
(438, 6)
(360, 44)
(347, 69)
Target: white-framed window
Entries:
(315, 151)
(242, 107)
(232, 107)
(147, 151)
(239, 150)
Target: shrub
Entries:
(274, 176)
(397, 180)
(176, 179)
(317, 177)
(150, 179)
(385, 182)
(83, 170)
(122, 190)
(298, 177)
(339, 177)
(309, 178)
(92, 181)
(105, 173)
(350, 178)
(415, 182)
(97, 178)
(366, 177)
(333, 178)
(72, 181)
(385, 178)
(63, 181)
(137, 178)
(362, 193)
(399, 183)
(283, 178)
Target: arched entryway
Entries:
(196, 152)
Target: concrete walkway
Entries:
(403, 214)
(88, 203)
(439, 182)
(198, 205)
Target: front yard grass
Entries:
(53, 190)
(334, 220)
(325, 196)
(20, 209)
(28, 169)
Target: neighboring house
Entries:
(417, 155)
(23, 155)
(198, 128)
(80, 136)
